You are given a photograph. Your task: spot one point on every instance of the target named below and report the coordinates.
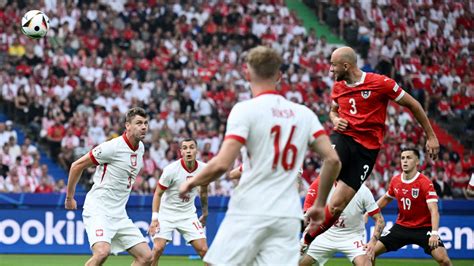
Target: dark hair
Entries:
(187, 139)
(134, 112)
(415, 151)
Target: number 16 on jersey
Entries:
(287, 163)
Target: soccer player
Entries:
(265, 209)
(418, 217)
(170, 211)
(358, 113)
(347, 235)
(105, 219)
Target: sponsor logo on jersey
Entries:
(99, 232)
(415, 192)
(133, 159)
(404, 191)
(365, 94)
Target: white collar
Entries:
(357, 83)
(411, 180)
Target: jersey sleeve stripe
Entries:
(374, 212)
(93, 158)
(400, 96)
(162, 187)
(395, 88)
(236, 137)
(390, 196)
(431, 200)
(319, 133)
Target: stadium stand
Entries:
(183, 63)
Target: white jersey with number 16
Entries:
(276, 133)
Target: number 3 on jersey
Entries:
(353, 110)
(288, 148)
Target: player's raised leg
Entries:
(158, 248)
(100, 253)
(341, 197)
(142, 254)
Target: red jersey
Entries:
(413, 197)
(364, 106)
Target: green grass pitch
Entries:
(71, 260)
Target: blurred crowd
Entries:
(182, 62)
(427, 47)
(20, 170)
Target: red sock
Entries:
(329, 220)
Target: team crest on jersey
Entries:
(133, 159)
(99, 232)
(415, 192)
(365, 94)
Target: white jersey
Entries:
(276, 133)
(118, 164)
(351, 221)
(172, 206)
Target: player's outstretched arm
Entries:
(379, 226)
(383, 201)
(432, 144)
(75, 173)
(434, 238)
(329, 169)
(155, 207)
(204, 205)
(216, 167)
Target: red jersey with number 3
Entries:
(364, 106)
(413, 197)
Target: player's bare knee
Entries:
(157, 251)
(337, 210)
(202, 250)
(145, 258)
(101, 254)
(362, 260)
(444, 261)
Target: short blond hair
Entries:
(264, 62)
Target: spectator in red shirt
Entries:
(459, 181)
(44, 186)
(54, 136)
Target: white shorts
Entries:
(324, 247)
(255, 240)
(120, 233)
(190, 228)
